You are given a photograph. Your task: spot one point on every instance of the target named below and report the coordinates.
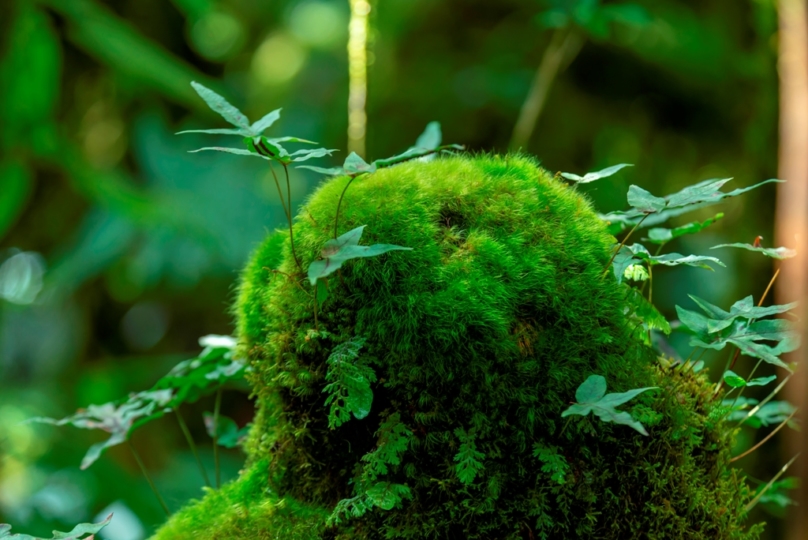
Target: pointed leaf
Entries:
(220, 105)
(591, 390)
(333, 171)
(734, 380)
(775, 253)
(304, 155)
(218, 131)
(761, 381)
(355, 164)
(261, 125)
(597, 175)
(747, 308)
(431, 137)
(758, 350)
(676, 259)
(237, 151)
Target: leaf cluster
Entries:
(469, 459)
(591, 397)
(76, 533)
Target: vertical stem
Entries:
(358, 75)
(792, 221)
(216, 409)
(339, 204)
(288, 213)
(564, 45)
(148, 478)
(187, 433)
(623, 243)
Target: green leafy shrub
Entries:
(419, 394)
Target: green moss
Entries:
(478, 339)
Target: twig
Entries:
(148, 478)
(766, 438)
(187, 433)
(757, 498)
(757, 407)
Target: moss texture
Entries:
(478, 339)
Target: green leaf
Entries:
(333, 171)
(338, 251)
(761, 381)
(321, 291)
(661, 235)
(356, 165)
(770, 414)
(393, 438)
(635, 253)
(349, 379)
(227, 433)
(215, 131)
(646, 312)
(431, 137)
(469, 460)
(643, 201)
(264, 123)
(553, 462)
(75, 534)
(386, 495)
(415, 153)
(734, 380)
(237, 151)
(590, 398)
(597, 175)
(747, 308)
(775, 253)
(220, 105)
(306, 154)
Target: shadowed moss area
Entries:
(476, 340)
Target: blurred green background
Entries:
(118, 249)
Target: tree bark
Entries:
(792, 226)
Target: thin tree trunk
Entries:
(358, 75)
(792, 226)
(563, 47)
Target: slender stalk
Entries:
(740, 393)
(757, 407)
(148, 478)
(564, 45)
(623, 243)
(766, 438)
(339, 204)
(288, 213)
(763, 491)
(216, 408)
(187, 433)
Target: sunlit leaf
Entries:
(261, 125)
(597, 175)
(591, 397)
(761, 381)
(775, 253)
(734, 380)
(220, 105)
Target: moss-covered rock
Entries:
(474, 342)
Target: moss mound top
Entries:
(422, 398)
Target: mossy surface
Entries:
(478, 339)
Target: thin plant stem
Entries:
(766, 438)
(757, 407)
(288, 212)
(763, 491)
(740, 393)
(148, 478)
(339, 205)
(564, 45)
(623, 243)
(187, 433)
(216, 408)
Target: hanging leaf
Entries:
(338, 251)
(77, 533)
(775, 253)
(733, 379)
(349, 379)
(636, 253)
(237, 151)
(592, 176)
(591, 397)
(227, 433)
(662, 236)
(117, 420)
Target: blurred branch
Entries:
(563, 47)
(358, 73)
(112, 41)
(792, 218)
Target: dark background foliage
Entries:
(119, 249)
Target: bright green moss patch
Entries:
(245, 510)
(472, 345)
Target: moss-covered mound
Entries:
(472, 345)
